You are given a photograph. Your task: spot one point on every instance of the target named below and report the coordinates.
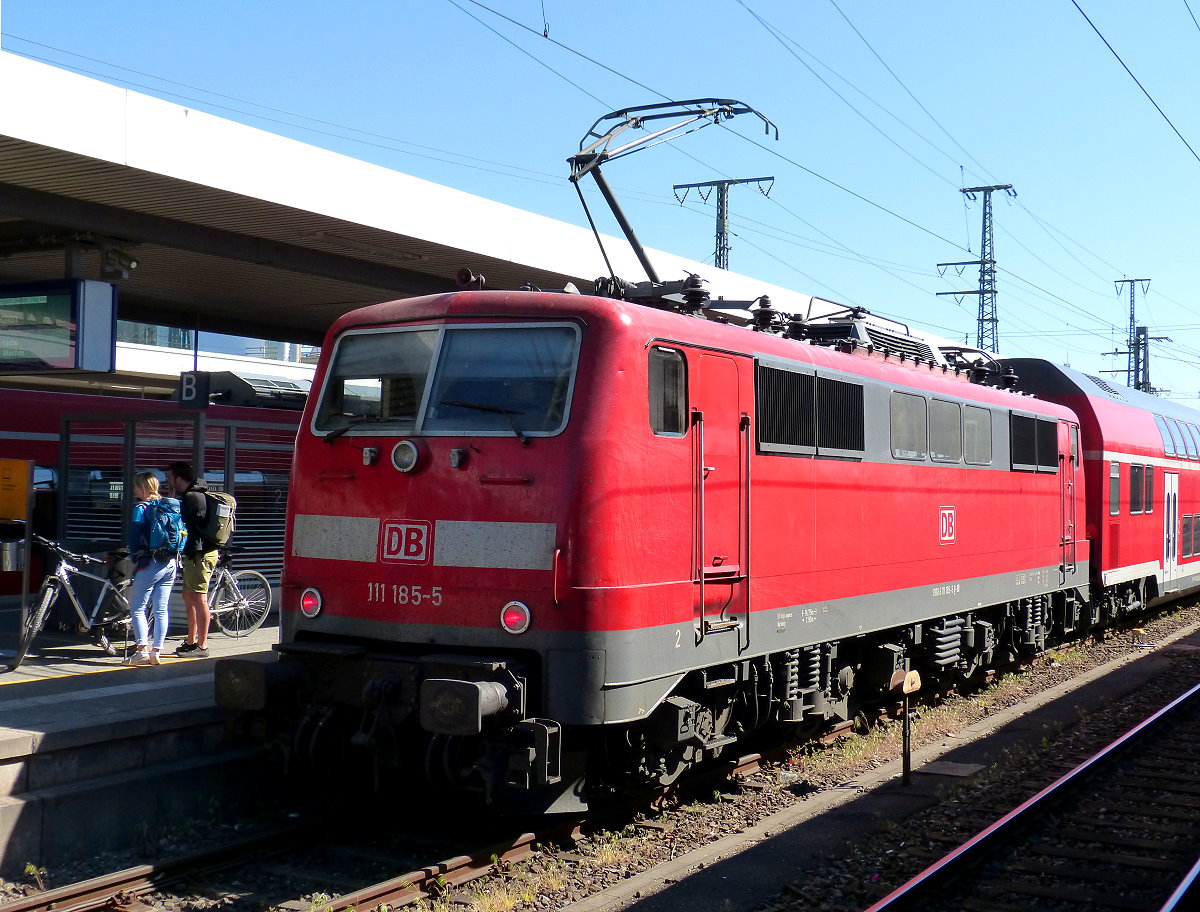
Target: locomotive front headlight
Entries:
(515, 617)
(311, 603)
(405, 456)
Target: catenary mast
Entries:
(988, 331)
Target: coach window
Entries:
(1189, 442)
(1114, 488)
(1168, 442)
(1177, 436)
(977, 435)
(945, 431)
(908, 426)
(1149, 501)
(668, 392)
(1187, 546)
(1137, 487)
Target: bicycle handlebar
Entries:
(63, 552)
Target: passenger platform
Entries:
(58, 655)
(96, 755)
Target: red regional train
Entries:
(84, 448)
(547, 545)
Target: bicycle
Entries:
(239, 601)
(110, 608)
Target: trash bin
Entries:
(12, 555)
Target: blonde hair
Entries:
(146, 483)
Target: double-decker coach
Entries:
(1142, 462)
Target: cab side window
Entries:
(668, 392)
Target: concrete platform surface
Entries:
(65, 676)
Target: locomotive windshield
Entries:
(478, 379)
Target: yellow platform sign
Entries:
(16, 483)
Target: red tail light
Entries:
(515, 617)
(310, 603)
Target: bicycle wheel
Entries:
(243, 600)
(35, 620)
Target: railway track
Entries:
(276, 868)
(289, 867)
(1120, 831)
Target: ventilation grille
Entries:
(785, 408)
(1106, 386)
(898, 344)
(839, 415)
(830, 332)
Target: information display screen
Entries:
(57, 326)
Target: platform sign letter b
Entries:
(947, 525)
(193, 389)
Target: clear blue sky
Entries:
(884, 111)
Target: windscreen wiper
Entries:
(351, 421)
(495, 409)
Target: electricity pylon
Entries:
(1137, 374)
(989, 323)
(721, 254)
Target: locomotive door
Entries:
(720, 452)
(1069, 459)
(1170, 525)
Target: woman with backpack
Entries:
(156, 537)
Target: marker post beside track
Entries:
(906, 682)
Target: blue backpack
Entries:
(167, 531)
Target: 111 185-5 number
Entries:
(395, 594)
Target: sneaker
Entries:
(198, 653)
(154, 659)
(185, 649)
(138, 658)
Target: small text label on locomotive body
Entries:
(947, 525)
(404, 541)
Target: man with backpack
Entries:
(209, 521)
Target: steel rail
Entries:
(922, 888)
(120, 889)
(432, 882)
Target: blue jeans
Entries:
(151, 585)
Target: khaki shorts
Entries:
(198, 570)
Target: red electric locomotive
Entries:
(545, 544)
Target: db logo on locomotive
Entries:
(947, 525)
(405, 541)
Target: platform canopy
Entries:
(236, 230)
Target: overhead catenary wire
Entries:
(1137, 81)
(1070, 246)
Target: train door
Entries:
(1170, 525)
(1069, 460)
(720, 459)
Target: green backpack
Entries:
(222, 514)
